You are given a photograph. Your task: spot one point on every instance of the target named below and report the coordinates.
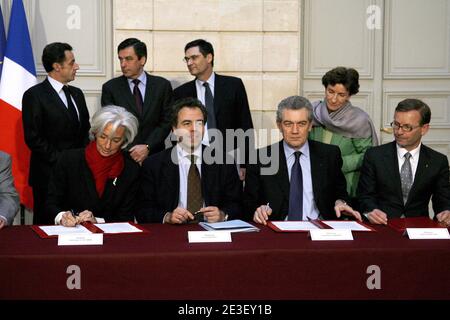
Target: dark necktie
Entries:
(296, 190)
(138, 97)
(209, 104)
(70, 105)
(194, 188)
(406, 176)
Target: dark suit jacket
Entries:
(49, 129)
(160, 184)
(230, 103)
(154, 124)
(72, 186)
(327, 179)
(380, 187)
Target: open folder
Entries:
(306, 226)
(231, 226)
(87, 227)
(401, 224)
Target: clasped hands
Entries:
(181, 215)
(70, 220)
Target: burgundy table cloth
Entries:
(263, 265)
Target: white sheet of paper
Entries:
(294, 225)
(57, 230)
(120, 227)
(209, 236)
(80, 239)
(331, 234)
(348, 225)
(427, 233)
(231, 226)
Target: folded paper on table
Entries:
(232, 226)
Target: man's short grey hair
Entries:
(117, 116)
(295, 103)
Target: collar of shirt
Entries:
(56, 84)
(289, 152)
(414, 153)
(184, 156)
(142, 78)
(200, 83)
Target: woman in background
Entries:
(337, 121)
(98, 183)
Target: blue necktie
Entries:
(296, 190)
(209, 104)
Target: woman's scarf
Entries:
(348, 121)
(103, 168)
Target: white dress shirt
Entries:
(414, 160)
(58, 87)
(142, 84)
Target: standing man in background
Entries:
(225, 97)
(146, 96)
(55, 118)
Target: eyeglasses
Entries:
(404, 127)
(193, 58)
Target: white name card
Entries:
(428, 233)
(209, 236)
(80, 239)
(330, 234)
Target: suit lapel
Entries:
(171, 173)
(89, 180)
(282, 175)
(421, 171)
(391, 169)
(192, 89)
(317, 169)
(219, 94)
(56, 100)
(150, 95)
(124, 87)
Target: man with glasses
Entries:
(224, 97)
(399, 178)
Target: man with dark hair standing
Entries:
(399, 178)
(55, 118)
(224, 97)
(146, 96)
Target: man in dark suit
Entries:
(225, 98)
(9, 199)
(148, 97)
(184, 183)
(399, 178)
(296, 179)
(55, 118)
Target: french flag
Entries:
(18, 74)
